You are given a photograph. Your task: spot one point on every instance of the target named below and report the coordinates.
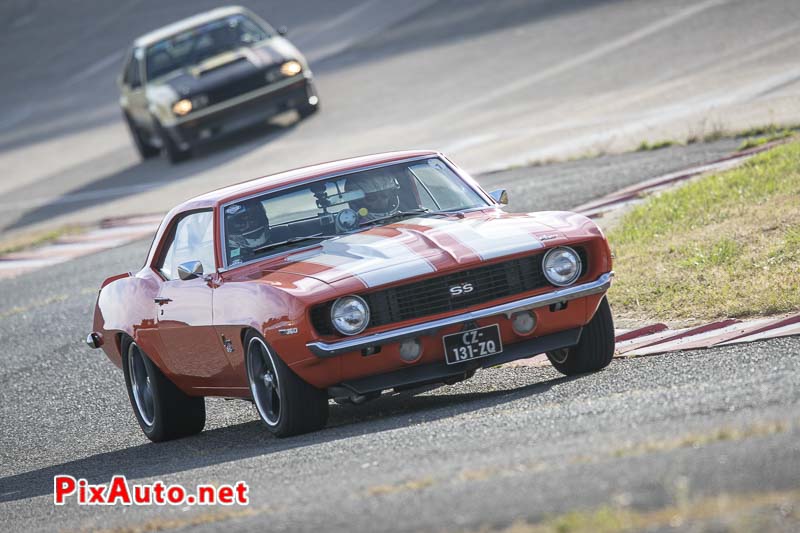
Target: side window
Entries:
(132, 75)
(192, 240)
(126, 71)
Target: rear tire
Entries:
(163, 411)
(595, 349)
(286, 404)
(145, 149)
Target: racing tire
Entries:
(286, 404)
(145, 149)
(163, 411)
(594, 350)
(306, 110)
(171, 150)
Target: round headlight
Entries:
(182, 107)
(561, 266)
(290, 68)
(350, 315)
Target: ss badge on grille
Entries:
(463, 288)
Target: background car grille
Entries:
(432, 296)
(239, 86)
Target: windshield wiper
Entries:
(410, 212)
(291, 241)
(421, 211)
(457, 212)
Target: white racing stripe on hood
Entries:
(374, 259)
(489, 238)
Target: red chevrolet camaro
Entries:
(344, 280)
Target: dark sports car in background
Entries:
(208, 75)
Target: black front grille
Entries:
(432, 296)
(238, 86)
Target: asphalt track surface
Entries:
(510, 444)
(491, 84)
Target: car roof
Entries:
(186, 24)
(295, 176)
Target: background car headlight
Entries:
(561, 266)
(290, 68)
(186, 105)
(350, 315)
(181, 107)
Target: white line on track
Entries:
(94, 68)
(596, 53)
(655, 117)
(111, 192)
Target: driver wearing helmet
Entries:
(247, 228)
(381, 195)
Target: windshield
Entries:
(200, 43)
(274, 222)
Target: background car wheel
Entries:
(595, 349)
(171, 149)
(145, 149)
(162, 410)
(286, 404)
(309, 109)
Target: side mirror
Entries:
(190, 270)
(500, 196)
(282, 30)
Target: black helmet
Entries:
(246, 228)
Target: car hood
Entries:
(426, 245)
(228, 68)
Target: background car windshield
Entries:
(198, 44)
(341, 205)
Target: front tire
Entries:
(163, 411)
(309, 108)
(286, 404)
(171, 149)
(595, 349)
(145, 149)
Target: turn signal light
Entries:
(523, 322)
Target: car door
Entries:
(184, 307)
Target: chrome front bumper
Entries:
(331, 349)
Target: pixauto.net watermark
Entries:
(120, 492)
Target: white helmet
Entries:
(381, 195)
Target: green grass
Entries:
(761, 136)
(646, 146)
(725, 245)
(754, 511)
(38, 239)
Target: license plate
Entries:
(472, 344)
